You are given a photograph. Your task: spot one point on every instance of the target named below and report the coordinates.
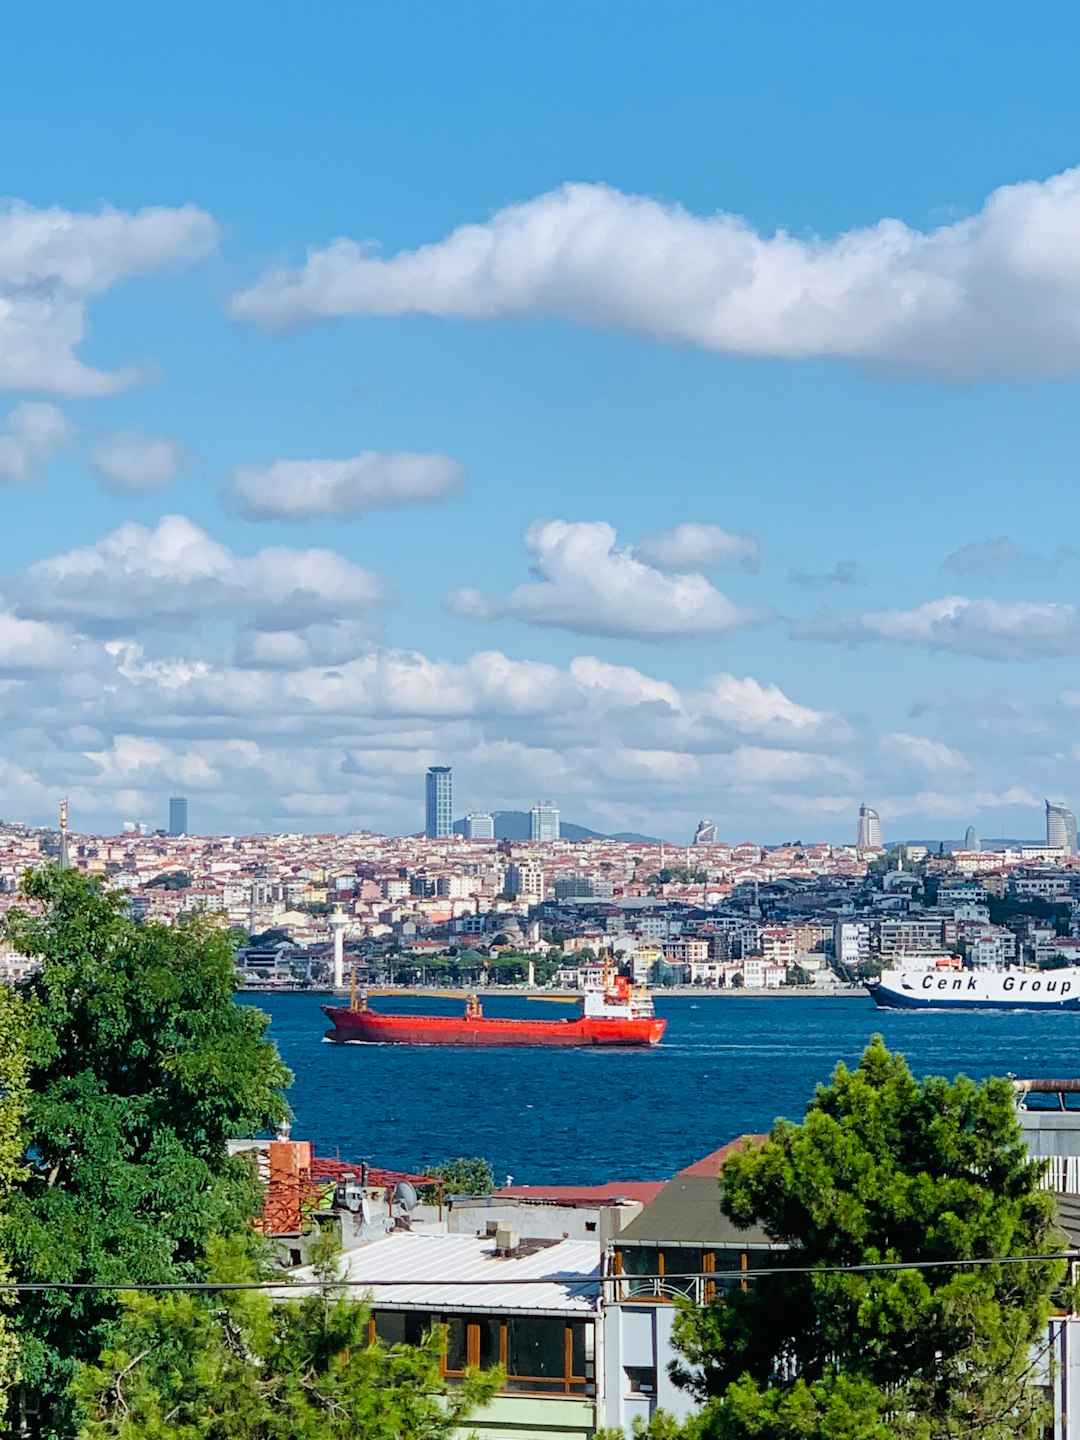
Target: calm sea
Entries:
(726, 1066)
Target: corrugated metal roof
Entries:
(439, 1263)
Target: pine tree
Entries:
(884, 1169)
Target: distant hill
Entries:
(517, 825)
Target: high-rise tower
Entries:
(439, 797)
(544, 822)
(869, 829)
(177, 815)
(1060, 827)
(971, 840)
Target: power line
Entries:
(570, 1282)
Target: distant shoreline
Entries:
(496, 992)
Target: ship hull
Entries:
(367, 1027)
(1001, 990)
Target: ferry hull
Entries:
(966, 990)
(367, 1027)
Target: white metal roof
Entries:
(438, 1266)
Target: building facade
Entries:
(869, 832)
(1060, 828)
(479, 825)
(439, 806)
(544, 823)
(178, 816)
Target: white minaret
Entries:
(338, 923)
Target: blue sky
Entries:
(724, 467)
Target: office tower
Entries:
(869, 829)
(1060, 828)
(705, 834)
(479, 825)
(544, 822)
(971, 840)
(178, 815)
(439, 816)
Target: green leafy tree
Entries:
(468, 1175)
(13, 1095)
(140, 1068)
(241, 1366)
(883, 1169)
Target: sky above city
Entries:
(668, 411)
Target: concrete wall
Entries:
(535, 1417)
(637, 1335)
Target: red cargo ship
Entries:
(616, 1015)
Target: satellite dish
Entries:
(405, 1196)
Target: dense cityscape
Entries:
(456, 905)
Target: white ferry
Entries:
(951, 989)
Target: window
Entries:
(543, 1355)
(640, 1380)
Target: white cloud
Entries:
(844, 572)
(994, 295)
(33, 433)
(1000, 555)
(588, 585)
(696, 546)
(132, 464)
(991, 629)
(53, 261)
(917, 752)
(372, 480)
(175, 572)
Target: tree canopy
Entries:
(883, 1169)
(140, 1067)
(242, 1366)
(467, 1175)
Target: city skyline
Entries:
(677, 446)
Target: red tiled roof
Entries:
(710, 1166)
(323, 1168)
(585, 1196)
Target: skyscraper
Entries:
(439, 810)
(1060, 828)
(869, 829)
(479, 825)
(178, 815)
(544, 822)
(705, 834)
(971, 840)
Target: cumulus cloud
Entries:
(175, 572)
(1001, 555)
(587, 584)
(844, 572)
(917, 752)
(696, 546)
(53, 261)
(128, 463)
(372, 480)
(33, 433)
(993, 295)
(991, 629)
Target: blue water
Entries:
(727, 1066)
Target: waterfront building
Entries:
(439, 798)
(544, 823)
(1060, 828)
(479, 825)
(869, 833)
(178, 816)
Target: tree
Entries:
(468, 1175)
(13, 1083)
(140, 1069)
(883, 1169)
(241, 1366)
